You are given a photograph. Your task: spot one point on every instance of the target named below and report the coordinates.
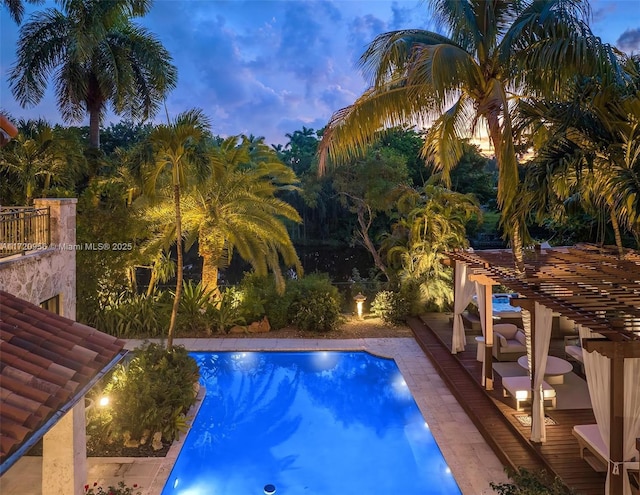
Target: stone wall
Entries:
(41, 275)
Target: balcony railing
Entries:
(23, 229)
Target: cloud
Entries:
(629, 41)
(336, 97)
(362, 31)
(601, 11)
(307, 42)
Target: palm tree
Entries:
(235, 207)
(432, 222)
(16, 8)
(38, 159)
(176, 149)
(492, 52)
(99, 58)
(589, 153)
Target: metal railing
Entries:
(23, 229)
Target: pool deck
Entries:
(471, 460)
(495, 416)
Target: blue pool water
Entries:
(501, 305)
(309, 423)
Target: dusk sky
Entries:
(268, 68)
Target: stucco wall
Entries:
(43, 274)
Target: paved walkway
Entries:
(470, 459)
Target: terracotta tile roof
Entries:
(47, 363)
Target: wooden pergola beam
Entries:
(587, 284)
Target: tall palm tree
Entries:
(175, 153)
(99, 58)
(491, 53)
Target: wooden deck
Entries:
(494, 416)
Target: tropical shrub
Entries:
(315, 303)
(153, 392)
(226, 311)
(392, 307)
(526, 482)
(195, 303)
(133, 315)
(260, 298)
(310, 303)
(121, 489)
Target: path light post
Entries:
(360, 299)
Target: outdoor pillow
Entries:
(521, 337)
(508, 330)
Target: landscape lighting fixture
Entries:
(360, 299)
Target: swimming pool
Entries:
(501, 306)
(339, 423)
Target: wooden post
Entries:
(616, 351)
(488, 338)
(487, 285)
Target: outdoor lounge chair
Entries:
(594, 451)
(509, 343)
(592, 447)
(573, 350)
(519, 387)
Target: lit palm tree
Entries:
(176, 152)
(432, 222)
(99, 58)
(491, 53)
(235, 208)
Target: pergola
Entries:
(600, 292)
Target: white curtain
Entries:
(464, 291)
(597, 370)
(481, 298)
(526, 326)
(542, 337)
(631, 414)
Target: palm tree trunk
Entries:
(29, 193)
(616, 233)
(152, 282)
(210, 274)
(512, 225)
(94, 128)
(47, 184)
(133, 280)
(179, 274)
(516, 248)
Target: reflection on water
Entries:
(337, 423)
